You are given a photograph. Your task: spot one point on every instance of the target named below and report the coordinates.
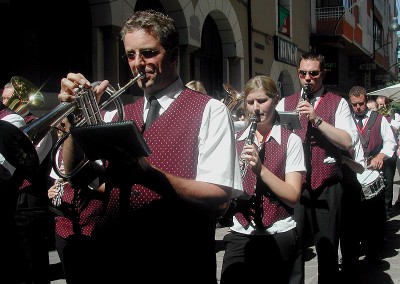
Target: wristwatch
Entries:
(317, 121)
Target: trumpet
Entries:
(249, 141)
(87, 104)
(23, 154)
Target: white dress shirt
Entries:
(218, 161)
(343, 116)
(294, 163)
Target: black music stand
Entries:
(112, 141)
(289, 119)
(118, 142)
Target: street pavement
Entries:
(388, 272)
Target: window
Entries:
(378, 35)
(284, 17)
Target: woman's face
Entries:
(259, 101)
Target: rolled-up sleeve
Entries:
(217, 159)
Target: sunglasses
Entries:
(145, 53)
(358, 104)
(312, 74)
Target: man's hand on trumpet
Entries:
(75, 80)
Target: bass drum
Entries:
(372, 183)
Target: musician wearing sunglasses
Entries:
(327, 129)
(169, 201)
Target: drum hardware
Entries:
(372, 183)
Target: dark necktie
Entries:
(311, 98)
(360, 122)
(153, 111)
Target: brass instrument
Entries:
(14, 145)
(249, 141)
(22, 153)
(90, 109)
(25, 94)
(386, 111)
(234, 101)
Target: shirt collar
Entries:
(166, 96)
(318, 94)
(275, 133)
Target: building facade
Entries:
(221, 41)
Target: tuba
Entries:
(25, 94)
(234, 101)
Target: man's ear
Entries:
(174, 53)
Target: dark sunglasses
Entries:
(358, 104)
(145, 53)
(312, 74)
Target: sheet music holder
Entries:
(289, 119)
(112, 141)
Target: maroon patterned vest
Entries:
(83, 211)
(375, 142)
(316, 146)
(175, 131)
(272, 208)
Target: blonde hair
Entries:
(264, 83)
(197, 86)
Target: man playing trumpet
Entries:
(174, 195)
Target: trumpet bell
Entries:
(25, 94)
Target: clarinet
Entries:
(227, 219)
(306, 91)
(249, 141)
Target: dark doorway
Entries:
(210, 57)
